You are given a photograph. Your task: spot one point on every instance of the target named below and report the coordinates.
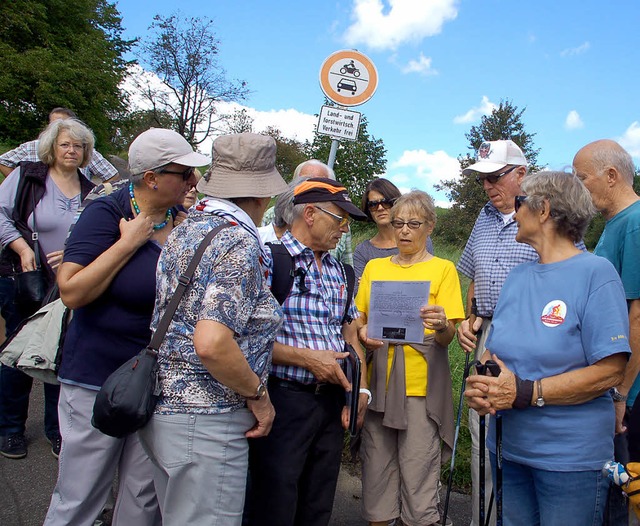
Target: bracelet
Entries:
(368, 393)
(524, 392)
(617, 395)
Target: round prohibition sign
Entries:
(348, 78)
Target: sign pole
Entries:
(332, 153)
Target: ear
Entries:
(521, 171)
(150, 179)
(430, 227)
(309, 214)
(612, 175)
(545, 212)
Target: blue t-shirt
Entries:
(551, 319)
(113, 328)
(620, 244)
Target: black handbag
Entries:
(31, 286)
(127, 399)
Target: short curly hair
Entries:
(78, 132)
(416, 201)
(571, 207)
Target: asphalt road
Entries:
(26, 485)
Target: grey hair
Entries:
(137, 179)
(418, 202)
(570, 204)
(78, 132)
(615, 156)
(313, 162)
(283, 209)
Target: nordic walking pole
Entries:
(465, 373)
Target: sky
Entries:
(572, 65)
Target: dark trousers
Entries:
(294, 470)
(15, 386)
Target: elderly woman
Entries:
(216, 355)
(108, 278)
(559, 335)
(412, 407)
(46, 195)
(377, 200)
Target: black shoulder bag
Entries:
(128, 396)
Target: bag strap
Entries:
(34, 234)
(183, 283)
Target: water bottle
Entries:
(616, 473)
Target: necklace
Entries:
(167, 218)
(397, 262)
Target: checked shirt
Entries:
(490, 254)
(313, 318)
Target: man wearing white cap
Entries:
(491, 252)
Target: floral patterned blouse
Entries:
(228, 287)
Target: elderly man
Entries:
(343, 251)
(98, 167)
(607, 171)
(294, 470)
(490, 253)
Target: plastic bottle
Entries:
(616, 473)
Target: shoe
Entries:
(56, 443)
(14, 446)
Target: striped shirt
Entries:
(28, 151)
(313, 318)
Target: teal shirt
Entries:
(620, 244)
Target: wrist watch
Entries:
(260, 392)
(540, 399)
(617, 395)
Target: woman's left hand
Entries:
(433, 317)
(369, 343)
(498, 392)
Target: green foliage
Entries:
(505, 122)
(357, 162)
(137, 121)
(183, 53)
(290, 153)
(59, 53)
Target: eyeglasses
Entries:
(519, 201)
(413, 224)
(71, 146)
(494, 178)
(342, 221)
(186, 175)
(386, 204)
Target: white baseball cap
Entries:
(494, 155)
(157, 146)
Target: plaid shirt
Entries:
(343, 251)
(28, 151)
(490, 254)
(312, 320)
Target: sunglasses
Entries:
(186, 175)
(342, 221)
(386, 204)
(519, 201)
(494, 178)
(413, 224)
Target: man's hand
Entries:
(265, 413)
(325, 367)
(620, 410)
(363, 402)
(467, 333)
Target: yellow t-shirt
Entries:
(444, 291)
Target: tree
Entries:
(59, 53)
(289, 155)
(137, 121)
(183, 53)
(239, 122)
(468, 197)
(357, 162)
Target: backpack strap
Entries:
(283, 274)
(281, 271)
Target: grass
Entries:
(462, 470)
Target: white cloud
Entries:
(573, 121)
(387, 24)
(573, 51)
(485, 108)
(421, 169)
(421, 66)
(630, 140)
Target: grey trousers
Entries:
(87, 467)
(474, 429)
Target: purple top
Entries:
(54, 213)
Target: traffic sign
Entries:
(348, 78)
(339, 123)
